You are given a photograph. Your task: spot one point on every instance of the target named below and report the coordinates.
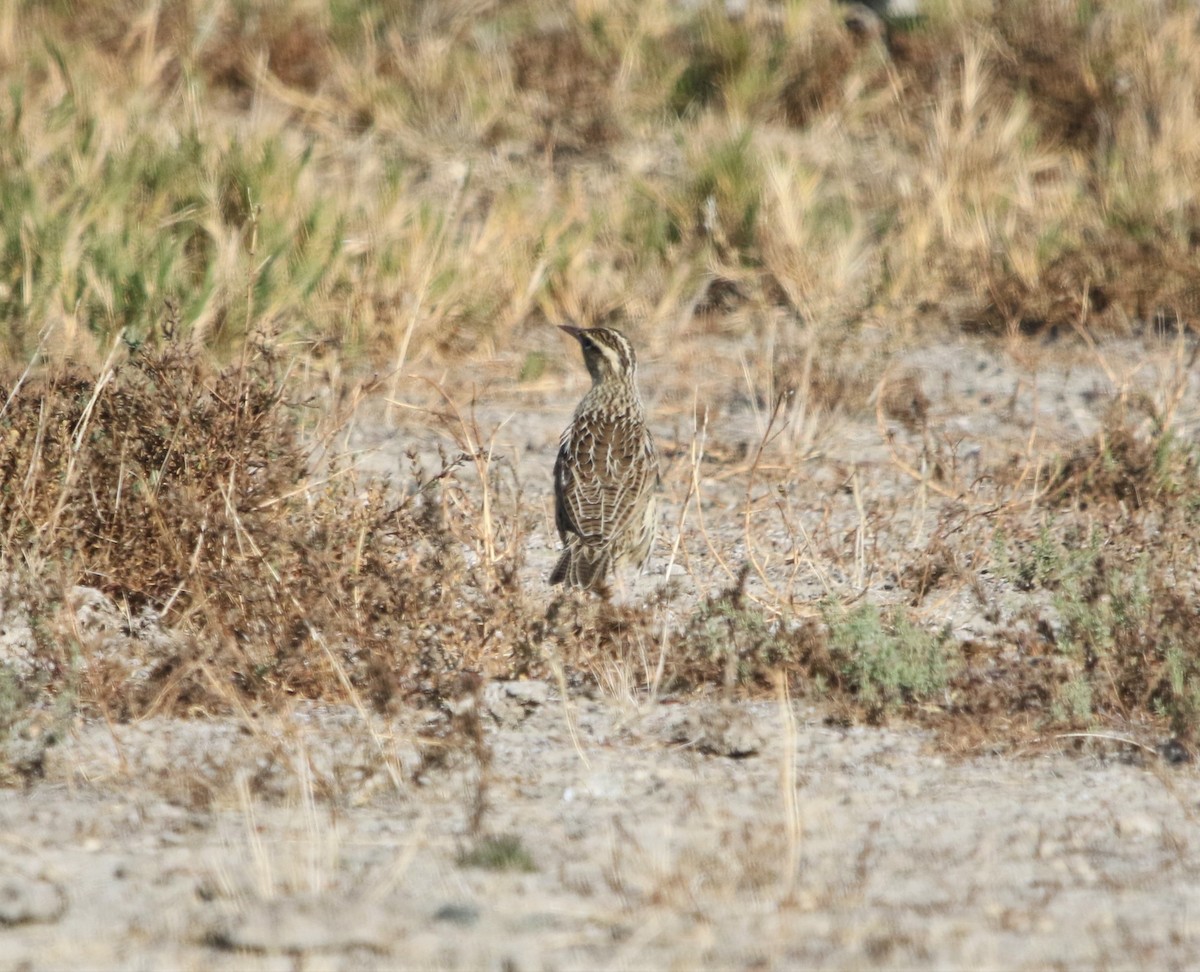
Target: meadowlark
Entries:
(607, 469)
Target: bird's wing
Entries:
(604, 470)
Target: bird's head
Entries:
(607, 353)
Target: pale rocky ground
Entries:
(831, 848)
(661, 833)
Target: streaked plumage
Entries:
(607, 469)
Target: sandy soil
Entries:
(647, 833)
(167, 844)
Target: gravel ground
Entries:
(164, 844)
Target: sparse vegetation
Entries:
(731, 641)
(504, 852)
(211, 224)
(886, 660)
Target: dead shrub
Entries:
(1055, 54)
(779, 70)
(813, 76)
(1117, 286)
(293, 44)
(187, 490)
(925, 57)
(567, 79)
(1124, 464)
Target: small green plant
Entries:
(1128, 636)
(729, 639)
(1038, 565)
(533, 367)
(1180, 703)
(1101, 608)
(885, 659)
(502, 852)
(727, 190)
(1074, 703)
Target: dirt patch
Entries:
(626, 844)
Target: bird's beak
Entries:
(571, 329)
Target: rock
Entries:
(302, 924)
(721, 729)
(135, 643)
(510, 703)
(24, 900)
(1138, 825)
(464, 915)
(18, 644)
(95, 613)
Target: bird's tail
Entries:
(582, 566)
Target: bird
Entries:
(606, 472)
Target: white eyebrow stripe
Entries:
(611, 355)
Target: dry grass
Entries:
(190, 497)
(324, 190)
(1015, 168)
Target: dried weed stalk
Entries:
(188, 491)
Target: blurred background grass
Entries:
(419, 181)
